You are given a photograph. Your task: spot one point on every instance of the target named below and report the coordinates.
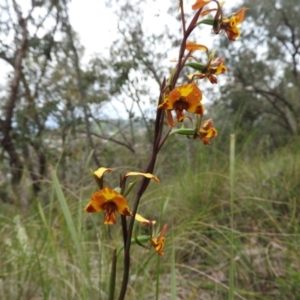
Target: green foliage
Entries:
(263, 72)
(224, 238)
(196, 66)
(39, 256)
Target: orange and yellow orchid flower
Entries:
(207, 132)
(159, 242)
(214, 67)
(230, 25)
(110, 201)
(185, 97)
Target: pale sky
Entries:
(96, 24)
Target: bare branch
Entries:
(80, 85)
(131, 149)
(6, 124)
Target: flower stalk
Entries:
(181, 100)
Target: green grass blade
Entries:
(67, 214)
(113, 274)
(231, 176)
(173, 271)
(157, 277)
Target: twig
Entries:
(6, 125)
(80, 85)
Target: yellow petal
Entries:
(191, 93)
(212, 133)
(169, 101)
(196, 108)
(144, 221)
(200, 3)
(217, 66)
(207, 124)
(240, 15)
(158, 243)
(147, 175)
(206, 12)
(191, 46)
(118, 199)
(91, 208)
(99, 173)
(186, 90)
(195, 75)
(233, 33)
(96, 203)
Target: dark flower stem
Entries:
(158, 142)
(124, 228)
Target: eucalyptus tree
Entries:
(27, 41)
(45, 93)
(263, 86)
(136, 60)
